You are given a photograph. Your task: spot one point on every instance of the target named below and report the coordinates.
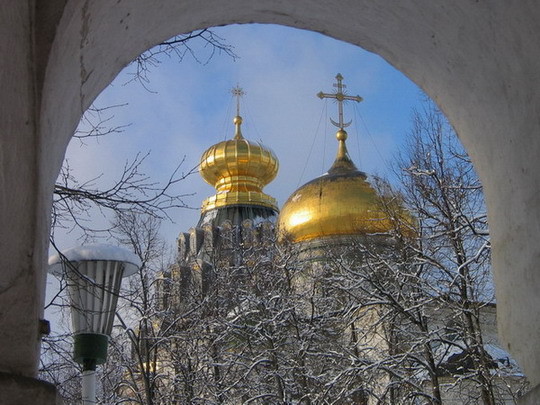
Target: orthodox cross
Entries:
(340, 96)
(238, 92)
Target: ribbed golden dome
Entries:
(340, 202)
(238, 169)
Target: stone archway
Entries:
(477, 60)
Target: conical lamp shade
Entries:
(94, 276)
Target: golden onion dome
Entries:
(238, 169)
(340, 202)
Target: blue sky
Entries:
(190, 107)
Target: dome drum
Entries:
(239, 198)
(238, 183)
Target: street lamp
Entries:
(94, 274)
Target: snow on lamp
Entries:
(94, 274)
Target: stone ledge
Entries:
(19, 390)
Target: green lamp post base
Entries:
(90, 349)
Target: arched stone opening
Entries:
(483, 77)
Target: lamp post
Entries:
(94, 274)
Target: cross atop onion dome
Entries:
(238, 92)
(238, 169)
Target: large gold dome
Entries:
(238, 169)
(340, 202)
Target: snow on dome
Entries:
(96, 252)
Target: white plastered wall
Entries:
(477, 59)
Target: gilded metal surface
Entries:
(340, 202)
(238, 169)
(331, 205)
(340, 96)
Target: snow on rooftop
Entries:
(97, 252)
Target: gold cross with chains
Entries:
(340, 96)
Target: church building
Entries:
(281, 309)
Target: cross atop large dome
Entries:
(340, 202)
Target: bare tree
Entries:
(179, 47)
(132, 196)
(260, 327)
(135, 351)
(58, 367)
(446, 196)
(425, 295)
(75, 201)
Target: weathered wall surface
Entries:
(477, 59)
(21, 279)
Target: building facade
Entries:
(302, 306)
